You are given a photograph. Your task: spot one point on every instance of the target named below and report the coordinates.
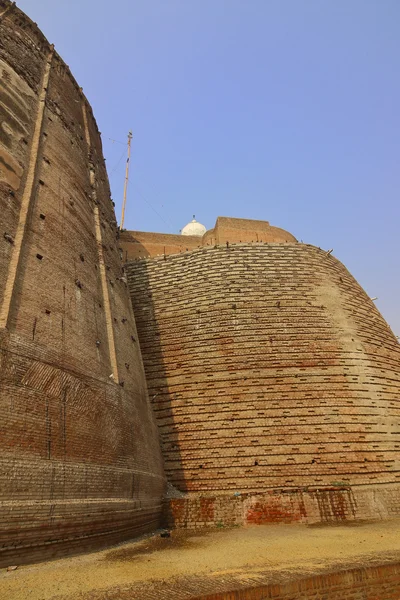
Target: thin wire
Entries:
(152, 207)
(117, 141)
(149, 183)
(158, 198)
(117, 165)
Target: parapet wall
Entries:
(144, 244)
(229, 230)
(269, 368)
(80, 460)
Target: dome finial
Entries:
(194, 228)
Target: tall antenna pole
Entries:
(126, 179)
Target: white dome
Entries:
(194, 228)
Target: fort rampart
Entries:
(274, 380)
(227, 230)
(270, 369)
(80, 464)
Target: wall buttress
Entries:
(27, 197)
(102, 267)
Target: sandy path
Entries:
(240, 552)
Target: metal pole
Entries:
(126, 179)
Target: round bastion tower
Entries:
(275, 380)
(80, 463)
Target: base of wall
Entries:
(309, 505)
(56, 529)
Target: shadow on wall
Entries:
(153, 358)
(140, 251)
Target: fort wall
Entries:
(270, 369)
(145, 244)
(80, 462)
(227, 230)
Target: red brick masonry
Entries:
(319, 505)
(80, 463)
(367, 583)
(270, 369)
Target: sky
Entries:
(280, 110)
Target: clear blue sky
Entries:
(283, 110)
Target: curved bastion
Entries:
(276, 384)
(80, 463)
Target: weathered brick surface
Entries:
(232, 231)
(269, 368)
(369, 583)
(80, 462)
(306, 505)
(144, 244)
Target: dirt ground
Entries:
(194, 562)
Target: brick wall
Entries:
(326, 504)
(364, 583)
(232, 231)
(269, 368)
(144, 244)
(80, 462)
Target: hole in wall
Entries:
(8, 237)
(34, 328)
(39, 256)
(42, 216)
